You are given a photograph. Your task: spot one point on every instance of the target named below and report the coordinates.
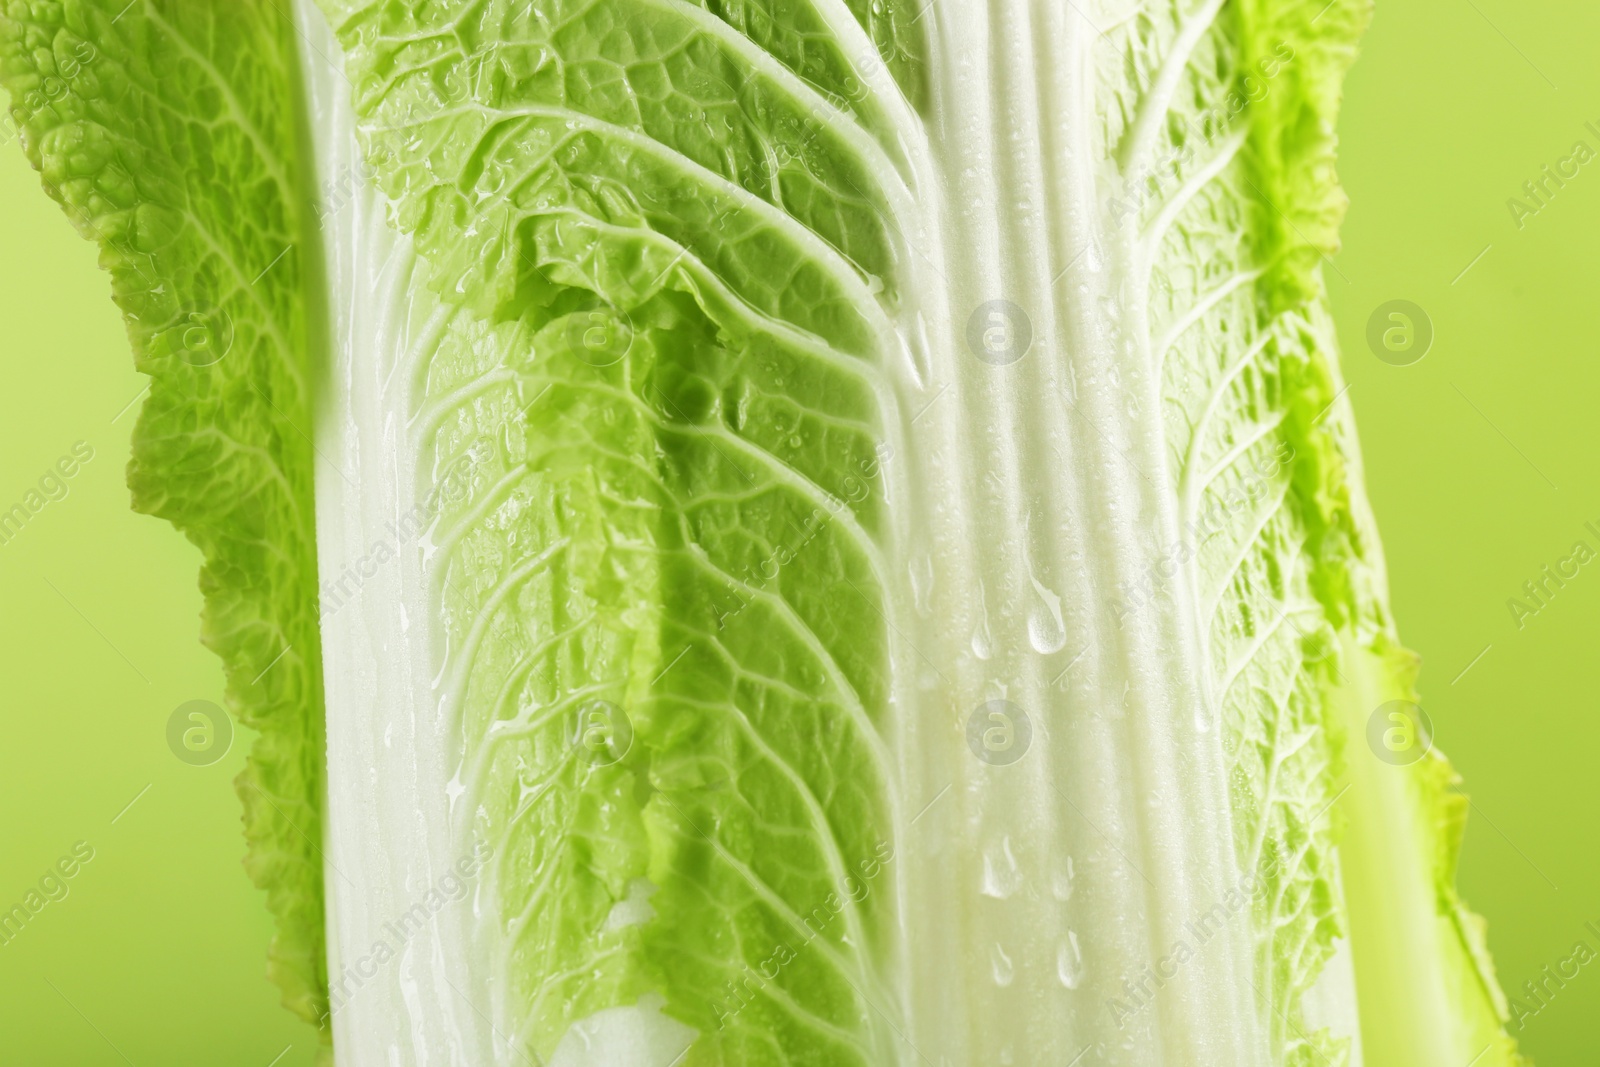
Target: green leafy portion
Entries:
(1280, 555)
(162, 130)
(547, 585)
(893, 29)
(1232, 361)
(659, 274)
(1301, 207)
(665, 104)
(1298, 207)
(1293, 145)
(664, 263)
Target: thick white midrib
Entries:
(998, 486)
(387, 837)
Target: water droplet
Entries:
(1004, 972)
(1046, 631)
(982, 641)
(1061, 882)
(1069, 961)
(1001, 876)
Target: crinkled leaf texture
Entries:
(170, 136)
(827, 531)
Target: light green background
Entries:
(1483, 465)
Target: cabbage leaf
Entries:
(814, 532)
